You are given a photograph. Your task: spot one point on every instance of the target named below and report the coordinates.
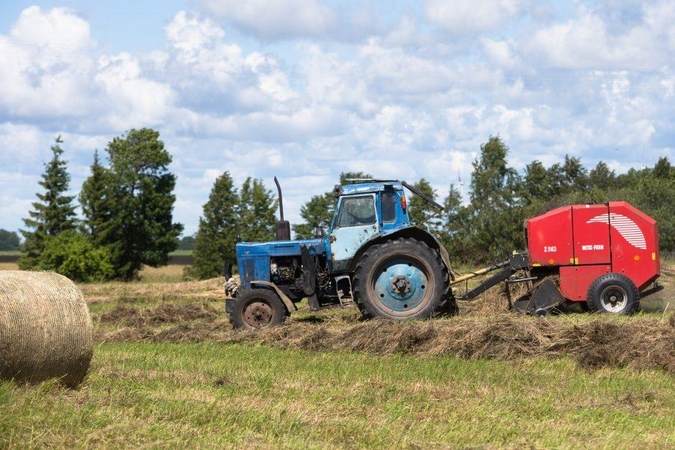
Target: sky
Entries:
(307, 89)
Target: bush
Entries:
(72, 254)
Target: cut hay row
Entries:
(45, 328)
(640, 342)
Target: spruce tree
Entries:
(256, 212)
(54, 211)
(95, 201)
(217, 233)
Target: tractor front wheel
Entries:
(257, 308)
(402, 279)
(613, 293)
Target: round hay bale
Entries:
(45, 328)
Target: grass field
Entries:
(209, 395)
(168, 371)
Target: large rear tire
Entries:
(257, 308)
(613, 293)
(402, 279)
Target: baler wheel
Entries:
(613, 293)
(402, 279)
(257, 308)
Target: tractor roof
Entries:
(362, 185)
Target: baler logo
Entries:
(625, 226)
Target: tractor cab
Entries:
(364, 211)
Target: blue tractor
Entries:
(371, 256)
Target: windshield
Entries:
(356, 211)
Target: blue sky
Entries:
(306, 89)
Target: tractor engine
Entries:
(289, 275)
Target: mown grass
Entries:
(254, 394)
(211, 395)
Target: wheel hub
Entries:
(400, 286)
(614, 299)
(258, 314)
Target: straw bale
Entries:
(45, 328)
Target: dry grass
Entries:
(153, 292)
(643, 341)
(484, 327)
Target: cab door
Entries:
(355, 222)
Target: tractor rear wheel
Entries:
(257, 308)
(402, 279)
(613, 293)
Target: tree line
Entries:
(127, 213)
(127, 210)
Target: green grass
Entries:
(253, 395)
(213, 395)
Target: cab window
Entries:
(355, 211)
(388, 206)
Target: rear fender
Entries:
(410, 233)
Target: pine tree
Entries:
(256, 212)
(496, 215)
(422, 213)
(602, 177)
(317, 213)
(217, 234)
(53, 214)
(575, 175)
(453, 227)
(95, 201)
(135, 223)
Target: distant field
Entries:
(9, 256)
(179, 257)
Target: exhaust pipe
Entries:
(283, 227)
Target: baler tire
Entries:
(257, 308)
(613, 293)
(402, 279)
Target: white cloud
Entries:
(20, 145)
(500, 53)
(469, 16)
(47, 65)
(191, 36)
(401, 73)
(274, 19)
(132, 100)
(271, 80)
(58, 34)
(588, 42)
